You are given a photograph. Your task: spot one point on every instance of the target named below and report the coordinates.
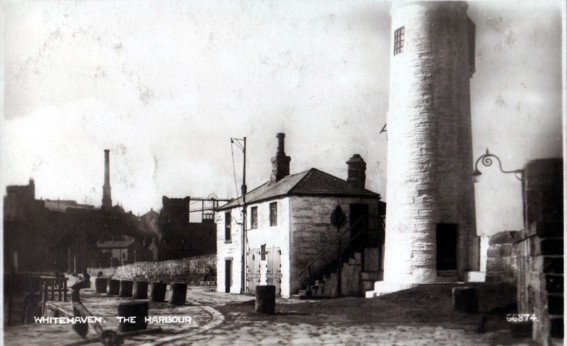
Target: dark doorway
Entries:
(227, 275)
(360, 230)
(447, 234)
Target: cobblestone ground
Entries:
(270, 333)
(106, 307)
(349, 321)
(415, 318)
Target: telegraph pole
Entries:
(244, 219)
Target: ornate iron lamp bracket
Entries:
(486, 160)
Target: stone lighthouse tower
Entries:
(430, 221)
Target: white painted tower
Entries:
(430, 221)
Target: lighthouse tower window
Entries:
(399, 40)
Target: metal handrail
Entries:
(325, 249)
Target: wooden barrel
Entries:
(265, 299)
(132, 316)
(140, 290)
(178, 293)
(100, 285)
(158, 291)
(113, 287)
(125, 288)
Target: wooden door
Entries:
(252, 270)
(274, 273)
(361, 229)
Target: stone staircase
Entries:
(353, 281)
(359, 269)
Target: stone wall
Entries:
(429, 141)
(501, 262)
(192, 270)
(540, 249)
(312, 231)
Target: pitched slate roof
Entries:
(309, 183)
(115, 244)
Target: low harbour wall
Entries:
(191, 270)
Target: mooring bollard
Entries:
(100, 285)
(125, 288)
(113, 287)
(132, 316)
(140, 290)
(266, 299)
(465, 299)
(158, 291)
(178, 293)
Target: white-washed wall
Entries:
(273, 236)
(229, 249)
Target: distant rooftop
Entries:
(115, 244)
(62, 205)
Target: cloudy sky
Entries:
(165, 84)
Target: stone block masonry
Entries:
(501, 264)
(429, 144)
(540, 250)
(312, 232)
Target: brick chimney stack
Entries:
(106, 199)
(280, 162)
(356, 172)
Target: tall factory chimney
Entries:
(106, 199)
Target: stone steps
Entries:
(351, 279)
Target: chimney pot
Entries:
(281, 145)
(356, 172)
(280, 162)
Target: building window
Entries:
(399, 40)
(274, 214)
(227, 223)
(263, 252)
(253, 217)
